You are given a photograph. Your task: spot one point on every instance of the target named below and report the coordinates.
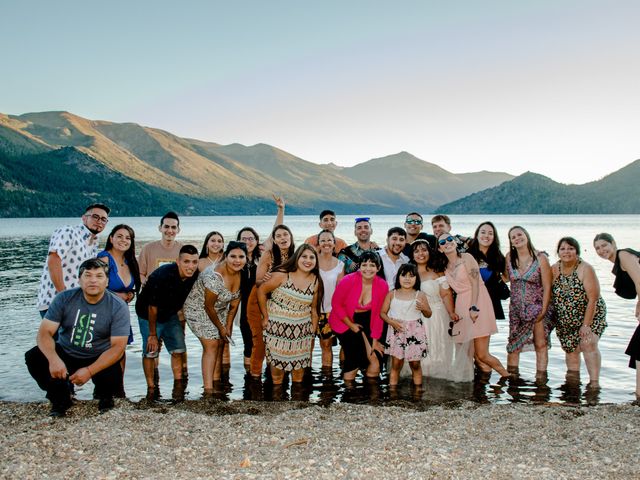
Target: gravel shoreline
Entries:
(281, 440)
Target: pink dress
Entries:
(466, 329)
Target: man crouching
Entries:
(93, 327)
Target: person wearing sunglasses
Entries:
(442, 224)
(474, 317)
(69, 246)
(350, 255)
(447, 359)
(413, 225)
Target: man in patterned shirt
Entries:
(68, 248)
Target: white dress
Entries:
(446, 359)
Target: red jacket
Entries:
(345, 301)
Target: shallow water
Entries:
(23, 245)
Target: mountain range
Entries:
(54, 163)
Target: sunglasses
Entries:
(411, 221)
(363, 219)
(450, 330)
(445, 240)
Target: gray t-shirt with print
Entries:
(86, 329)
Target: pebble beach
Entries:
(282, 440)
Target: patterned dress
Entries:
(570, 302)
(288, 336)
(194, 312)
(526, 304)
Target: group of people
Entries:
(419, 305)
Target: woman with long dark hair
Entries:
(212, 251)
(485, 248)
(290, 316)
(124, 272)
(214, 299)
(251, 239)
(530, 320)
(446, 359)
(281, 250)
(626, 269)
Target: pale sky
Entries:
(546, 86)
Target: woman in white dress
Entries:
(446, 359)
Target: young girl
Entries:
(406, 340)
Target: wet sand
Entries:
(245, 439)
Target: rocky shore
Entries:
(282, 440)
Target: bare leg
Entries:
(297, 375)
(513, 361)
(277, 375)
(209, 354)
(481, 349)
(176, 365)
(148, 366)
(416, 373)
(572, 359)
(542, 353)
(327, 352)
(394, 374)
(217, 367)
(592, 360)
(350, 376)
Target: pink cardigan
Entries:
(345, 300)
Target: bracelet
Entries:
(90, 372)
(152, 336)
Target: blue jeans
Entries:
(170, 332)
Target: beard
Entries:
(94, 231)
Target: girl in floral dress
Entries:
(406, 339)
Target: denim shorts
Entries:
(170, 332)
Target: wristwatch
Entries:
(473, 308)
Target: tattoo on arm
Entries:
(473, 273)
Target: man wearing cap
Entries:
(69, 246)
(350, 255)
(327, 222)
(92, 326)
(413, 225)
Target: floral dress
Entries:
(411, 343)
(527, 295)
(570, 303)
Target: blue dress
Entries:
(116, 285)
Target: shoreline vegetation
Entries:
(246, 439)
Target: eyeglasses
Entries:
(98, 218)
(247, 239)
(411, 221)
(445, 240)
(450, 330)
(363, 219)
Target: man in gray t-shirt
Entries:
(93, 327)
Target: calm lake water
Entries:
(23, 249)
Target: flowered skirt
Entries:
(410, 344)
